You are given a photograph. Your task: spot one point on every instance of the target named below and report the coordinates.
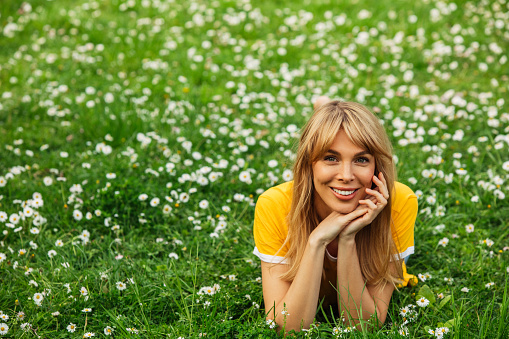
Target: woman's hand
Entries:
(331, 227)
(374, 203)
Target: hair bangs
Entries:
(326, 131)
(366, 135)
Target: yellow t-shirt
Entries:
(271, 228)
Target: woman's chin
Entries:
(345, 210)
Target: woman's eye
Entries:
(329, 158)
(363, 160)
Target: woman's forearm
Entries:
(354, 294)
(301, 299)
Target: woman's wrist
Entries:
(315, 242)
(346, 240)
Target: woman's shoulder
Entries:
(281, 193)
(403, 190)
(402, 194)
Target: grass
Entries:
(181, 91)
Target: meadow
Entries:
(136, 136)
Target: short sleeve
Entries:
(270, 230)
(404, 215)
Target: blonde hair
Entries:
(375, 245)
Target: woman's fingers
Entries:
(359, 218)
(346, 218)
(369, 203)
(379, 198)
(335, 222)
(355, 213)
(382, 184)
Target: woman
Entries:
(339, 232)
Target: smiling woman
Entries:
(338, 233)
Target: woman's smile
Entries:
(344, 194)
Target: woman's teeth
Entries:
(342, 192)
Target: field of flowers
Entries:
(136, 136)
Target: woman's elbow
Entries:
(377, 320)
(380, 320)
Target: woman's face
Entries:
(341, 176)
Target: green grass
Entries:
(59, 69)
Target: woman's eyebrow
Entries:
(356, 154)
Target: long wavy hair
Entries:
(375, 245)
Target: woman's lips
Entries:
(345, 197)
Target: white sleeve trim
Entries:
(271, 259)
(407, 252)
(402, 255)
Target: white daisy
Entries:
(4, 328)
(77, 215)
(443, 242)
(121, 286)
(71, 327)
(422, 302)
(154, 202)
(108, 330)
(204, 204)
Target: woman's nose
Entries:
(345, 173)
